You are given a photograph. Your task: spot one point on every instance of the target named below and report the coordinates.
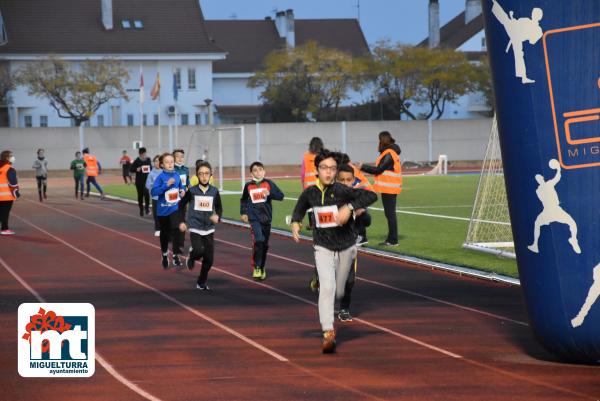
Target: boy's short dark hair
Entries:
(198, 161)
(162, 157)
(178, 151)
(203, 164)
(86, 150)
(157, 157)
(326, 154)
(256, 163)
(141, 150)
(345, 168)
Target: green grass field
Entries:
(433, 238)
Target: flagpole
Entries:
(141, 107)
(159, 133)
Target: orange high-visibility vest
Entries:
(310, 170)
(389, 182)
(91, 162)
(5, 192)
(363, 181)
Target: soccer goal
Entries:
(489, 227)
(224, 148)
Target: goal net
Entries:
(489, 227)
(224, 148)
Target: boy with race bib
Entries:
(204, 211)
(334, 236)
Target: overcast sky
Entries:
(399, 20)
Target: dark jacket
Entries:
(334, 238)
(261, 212)
(184, 175)
(387, 163)
(199, 220)
(140, 177)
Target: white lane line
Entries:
(153, 289)
(386, 330)
(416, 294)
(105, 364)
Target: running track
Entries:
(417, 334)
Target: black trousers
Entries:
(182, 217)
(203, 247)
(389, 209)
(345, 301)
(78, 185)
(5, 207)
(260, 243)
(143, 198)
(169, 232)
(154, 208)
(42, 183)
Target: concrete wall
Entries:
(280, 144)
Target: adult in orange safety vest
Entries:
(308, 171)
(388, 181)
(92, 169)
(9, 189)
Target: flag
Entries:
(141, 86)
(155, 92)
(175, 93)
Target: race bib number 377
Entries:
(326, 216)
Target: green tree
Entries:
(75, 90)
(306, 79)
(483, 82)
(7, 83)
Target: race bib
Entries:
(145, 169)
(203, 203)
(326, 216)
(258, 195)
(79, 166)
(172, 196)
(183, 178)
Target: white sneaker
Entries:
(7, 232)
(157, 233)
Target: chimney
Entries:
(281, 23)
(107, 14)
(472, 10)
(290, 36)
(434, 24)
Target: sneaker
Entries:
(177, 262)
(81, 197)
(165, 261)
(189, 263)
(361, 241)
(87, 195)
(256, 273)
(202, 287)
(263, 273)
(314, 284)
(102, 197)
(344, 315)
(328, 344)
(45, 196)
(387, 243)
(141, 213)
(7, 232)
(147, 212)
(157, 233)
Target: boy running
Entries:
(184, 176)
(204, 212)
(334, 237)
(169, 190)
(141, 167)
(78, 167)
(155, 172)
(40, 165)
(125, 162)
(256, 210)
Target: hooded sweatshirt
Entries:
(168, 195)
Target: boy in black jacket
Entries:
(256, 209)
(334, 236)
(203, 214)
(141, 167)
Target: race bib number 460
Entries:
(326, 216)
(203, 203)
(258, 195)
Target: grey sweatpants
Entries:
(333, 268)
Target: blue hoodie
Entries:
(160, 189)
(155, 172)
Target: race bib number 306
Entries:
(258, 195)
(203, 203)
(326, 216)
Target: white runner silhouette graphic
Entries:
(592, 296)
(552, 212)
(519, 31)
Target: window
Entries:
(178, 77)
(138, 24)
(72, 122)
(198, 117)
(43, 121)
(126, 24)
(184, 119)
(155, 119)
(130, 120)
(100, 121)
(28, 121)
(144, 120)
(87, 123)
(191, 78)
